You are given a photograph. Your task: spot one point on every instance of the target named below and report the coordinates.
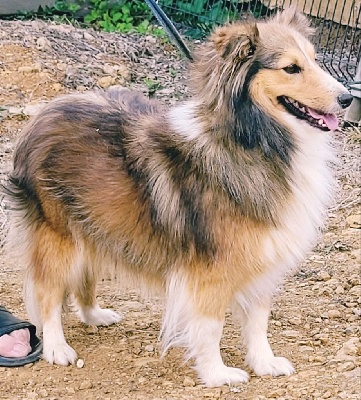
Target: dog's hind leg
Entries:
(50, 258)
(194, 319)
(254, 318)
(87, 270)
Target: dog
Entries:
(213, 201)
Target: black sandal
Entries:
(8, 324)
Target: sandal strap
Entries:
(10, 323)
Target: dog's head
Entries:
(272, 64)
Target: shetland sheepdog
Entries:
(212, 201)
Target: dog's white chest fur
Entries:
(303, 215)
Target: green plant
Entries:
(120, 16)
(66, 7)
(152, 85)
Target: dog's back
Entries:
(69, 151)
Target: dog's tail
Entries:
(24, 216)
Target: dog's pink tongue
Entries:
(329, 119)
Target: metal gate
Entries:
(338, 24)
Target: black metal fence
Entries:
(338, 24)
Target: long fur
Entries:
(213, 201)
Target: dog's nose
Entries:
(344, 100)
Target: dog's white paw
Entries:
(274, 366)
(60, 353)
(99, 316)
(222, 375)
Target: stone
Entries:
(324, 339)
(109, 69)
(295, 321)
(357, 311)
(347, 366)
(333, 314)
(324, 276)
(33, 109)
(87, 36)
(42, 43)
(70, 390)
(124, 72)
(354, 373)
(43, 393)
(290, 334)
(86, 385)
(306, 349)
(352, 346)
(149, 348)
(106, 81)
(356, 290)
(57, 87)
(276, 394)
(320, 359)
(339, 290)
(354, 221)
(15, 110)
(80, 363)
(151, 39)
(61, 66)
(354, 280)
(91, 329)
(188, 381)
(348, 352)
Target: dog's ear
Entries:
(296, 20)
(236, 41)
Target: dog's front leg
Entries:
(194, 319)
(260, 357)
(206, 350)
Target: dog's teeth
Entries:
(320, 122)
(303, 109)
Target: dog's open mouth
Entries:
(318, 119)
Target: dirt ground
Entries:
(315, 320)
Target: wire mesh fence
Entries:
(338, 24)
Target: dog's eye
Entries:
(292, 69)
